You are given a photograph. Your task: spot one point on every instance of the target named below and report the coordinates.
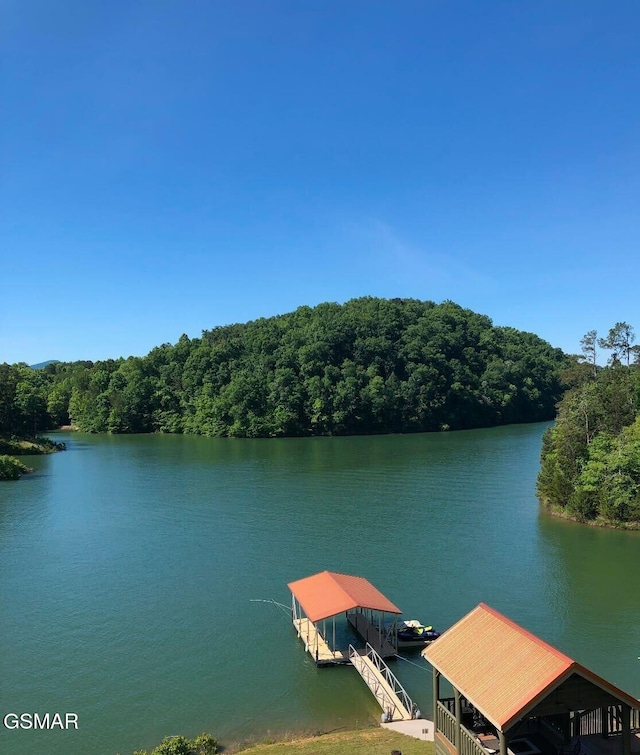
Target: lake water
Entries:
(131, 570)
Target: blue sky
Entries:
(170, 166)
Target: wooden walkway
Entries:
(316, 645)
(387, 690)
(385, 687)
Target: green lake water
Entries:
(131, 570)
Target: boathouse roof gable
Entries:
(504, 670)
(329, 593)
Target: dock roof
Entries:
(502, 669)
(328, 594)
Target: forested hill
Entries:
(368, 366)
(591, 457)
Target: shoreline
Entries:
(12, 449)
(560, 513)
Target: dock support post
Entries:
(503, 743)
(626, 729)
(604, 715)
(436, 695)
(458, 718)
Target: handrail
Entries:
(446, 722)
(392, 681)
(469, 745)
(379, 691)
(590, 721)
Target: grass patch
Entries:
(374, 741)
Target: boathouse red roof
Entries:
(329, 594)
(502, 669)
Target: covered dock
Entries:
(513, 694)
(317, 601)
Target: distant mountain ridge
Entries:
(42, 365)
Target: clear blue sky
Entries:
(169, 166)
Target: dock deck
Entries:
(316, 644)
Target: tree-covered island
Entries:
(590, 463)
(368, 366)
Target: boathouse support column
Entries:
(458, 719)
(626, 729)
(436, 696)
(503, 743)
(604, 716)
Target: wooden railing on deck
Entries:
(469, 745)
(587, 722)
(446, 723)
(590, 721)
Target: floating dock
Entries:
(318, 600)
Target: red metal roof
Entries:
(501, 668)
(328, 594)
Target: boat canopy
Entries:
(328, 594)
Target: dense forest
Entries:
(591, 457)
(368, 366)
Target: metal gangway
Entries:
(390, 694)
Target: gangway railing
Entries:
(386, 688)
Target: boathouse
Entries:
(501, 690)
(323, 597)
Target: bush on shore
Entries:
(11, 468)
(205, 744)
